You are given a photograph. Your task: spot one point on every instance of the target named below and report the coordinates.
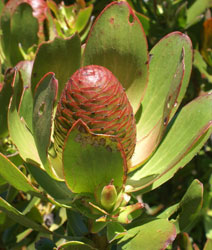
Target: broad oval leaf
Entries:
(82, 18)
(169, 74)
(92, 161)
(191, 153)
(19, 27)
(15, 177)
(43, 106)
(18, 131)
(56, 189)
(195, 11)
(25, 67)
(117, 41)
(26, 107)
(190, 204)
(190, 126)
(73, 245)
(187, 210)
(208, 244)
(61, 56)
(152, 235)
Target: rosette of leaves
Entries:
(65, 20)
(89, 171)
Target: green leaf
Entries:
(189, 128)
(61, 56)
(152, 235)
(208, 226)
(130, 212)
(56, 189)
(190, 206)
(169, 211)
(145, 21)
(15, 177)
(31, 208)
(169, 73)
(82, 18)
(1, 6)
(208, 245)
(18, 27)
(26, 108)
(171, 100)
(26, 105)
(45, 95)
(117, 42)
(23, 235)
(91, 161)
(76, 223)
(5, 95)
(25, 67)
(192, 152)
(17, 216)
(2, 181)
(115, 231)
(195, 11)
(75, 245)
(201, 65)
(59, 219)
(98, 226)
(181, 15)
(18, 131)
(187, 210)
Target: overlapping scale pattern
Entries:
(94, 95)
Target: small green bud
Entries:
(108, 196)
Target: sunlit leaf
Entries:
(18, 131)
(43, 106)
(152, 235)
(117, 42)
(60, 56)
(169, 72)
(187, 210)
(73, 245)
(195, 11)
(189, 128)
(15, 177)
(94, 161)
(208, 245)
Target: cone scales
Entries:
(95, 96)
